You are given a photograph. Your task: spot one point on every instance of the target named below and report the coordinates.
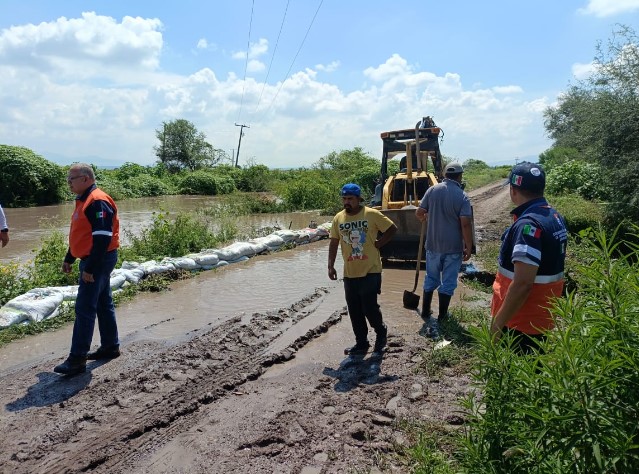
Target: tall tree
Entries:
(599, 117)
(183, 146)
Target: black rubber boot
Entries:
(381, 339)
(72, 366)
(444, 302)
(427, 299)
(104, 353)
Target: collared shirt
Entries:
(445, 203)
(537, 237)
(103, 220)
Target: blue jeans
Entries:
(442, 270)
(94, 299)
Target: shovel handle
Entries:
(419, 252)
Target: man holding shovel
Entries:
(446, 209)
(356, 228)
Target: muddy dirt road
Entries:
(204, 388)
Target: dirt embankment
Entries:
(266, 392)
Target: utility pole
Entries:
(237, 155)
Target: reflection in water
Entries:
(29, 225)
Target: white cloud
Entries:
(292, 124)
(204, 44)
(255, 66)
(332, 66)
(394, 66)
(582, 71)
(84, 47)
(506, 90)
(604, 8)
(255, 50)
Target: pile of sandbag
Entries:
(43, 303)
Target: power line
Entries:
(272, 57)
(248, 48)
(296, 54)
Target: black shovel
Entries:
(411, 300)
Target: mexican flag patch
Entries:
(532, 231)
(99, 215)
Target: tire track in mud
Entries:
(154, 395)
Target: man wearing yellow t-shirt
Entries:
(361, 231)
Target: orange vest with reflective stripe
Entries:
(81, 233)
(533, 317)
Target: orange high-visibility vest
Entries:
(81, 233)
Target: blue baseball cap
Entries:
(351, 189)
(528, 176)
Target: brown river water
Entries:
(262, 283)
(29, 225)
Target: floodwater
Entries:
(29, 225)
(263, 283)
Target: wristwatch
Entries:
(4, 230)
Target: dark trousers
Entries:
(361, 299)
(94, 299)
(524, 343)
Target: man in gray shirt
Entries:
(446, 209)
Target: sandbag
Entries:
(272, 241)
(236, 250)
(133, 275)
(33, 306)
(205, 259)
(117, 280)
(152, 267)
(69, 293)
(183, 263)
(286, 235)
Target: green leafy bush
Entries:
(574, 406)
(130, 170)
(308, 193)
(175, 238)
(206, 183)
(576, 177)
(27, 179)
(47, 264)
(145, 185)
(255, 178)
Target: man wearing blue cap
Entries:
(361, 231)
(531, 261)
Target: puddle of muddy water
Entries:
(190, 306)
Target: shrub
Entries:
(254, 178)
(579, 213)
(174, 238)
(145, 185)
(308, 194)
(576, 177)
(46, 269)
(27, 179)
(206, 183)
(573, 407)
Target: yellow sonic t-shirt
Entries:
(357, 236)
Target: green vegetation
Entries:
(573, 408)
(596, 125)
(27, 179)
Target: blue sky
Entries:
(92, 80)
